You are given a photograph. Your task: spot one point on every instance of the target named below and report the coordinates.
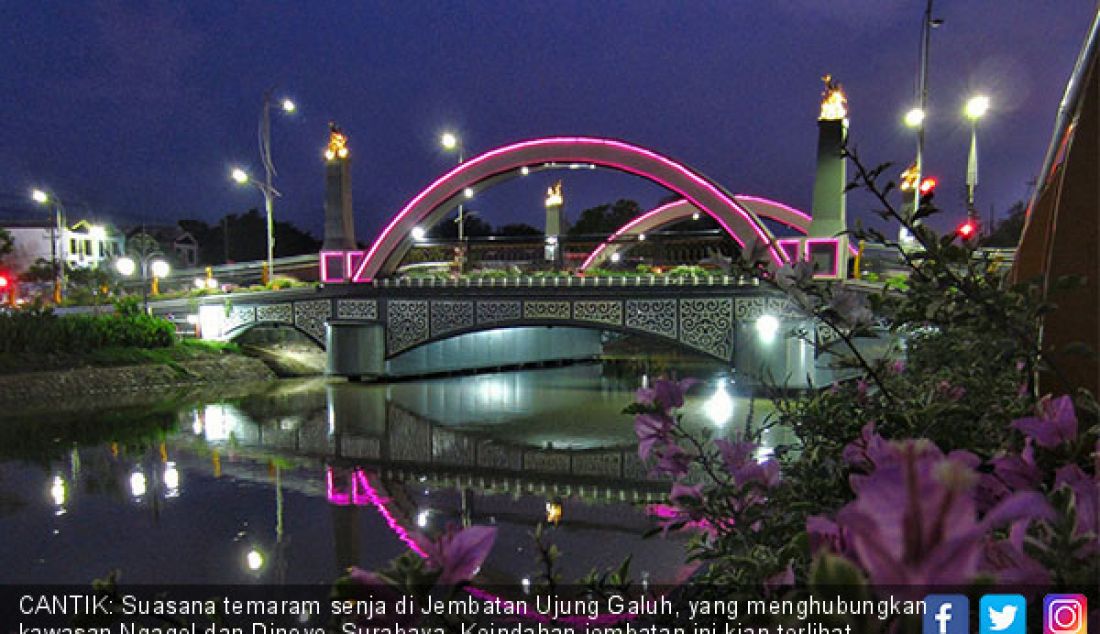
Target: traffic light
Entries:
(7, 289)
(928, 187)
(927, 191)
(968, 230)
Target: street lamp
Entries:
(452, 143)
(266, 186)
(151, 264)
(56, 235)
(976, 107)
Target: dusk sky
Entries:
(139, 110)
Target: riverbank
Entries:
(65, 381)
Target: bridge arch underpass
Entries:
(515, 160)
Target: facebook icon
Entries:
(946, 614)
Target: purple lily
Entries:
(1056, 423)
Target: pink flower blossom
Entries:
(1056, 423)
(458, 554)
(665, 394)
(652, 431)
(914, 520)
(1086, 492)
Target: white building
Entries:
(83, 244)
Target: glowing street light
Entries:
(449, 141)
(266, 187)
(56, 235)
(125, 266)
(976, 107)
(914, 118)
(452, 143)
(151, 265)
(766, 328)
(254, 560)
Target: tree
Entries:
(247, 238)
(518, 229)
(447, 229)
(7, 245)
(1006, 233)
(605, 219)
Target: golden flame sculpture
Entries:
(909, 178)
(337, 143)
(554, 196)
(834, 103)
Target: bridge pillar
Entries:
(355, 350)
(339, 222)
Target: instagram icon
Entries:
(1065, 614)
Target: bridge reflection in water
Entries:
(487, 449)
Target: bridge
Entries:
(375, 323)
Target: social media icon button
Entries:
(1002, 614)
(1065, 614)
(946, 614)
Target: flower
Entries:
(951, 392)
(898, 367)
(865, 451)
(665, 394)
(738, 459)
(672, 461)
(458, 554)
(1056, 423)
(914, 519)
(652, 431)
(1086, 492)
(1009, 473)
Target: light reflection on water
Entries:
(257, 488)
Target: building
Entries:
(81, 245)
(174, 242)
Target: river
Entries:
(293, 481)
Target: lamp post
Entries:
(56, 235)
(976, 107)
(452, 143)
(267, 186)
(151, 264)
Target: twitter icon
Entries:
(1002, 614)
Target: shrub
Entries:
(42, 331)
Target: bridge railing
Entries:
(527, 281)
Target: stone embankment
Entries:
(63, 389)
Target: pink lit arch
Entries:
(505, 162)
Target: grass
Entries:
(185, 350)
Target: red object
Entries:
(927, 185)
(967, 230)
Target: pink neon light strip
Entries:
(325, 256)
(578, 143)
(380, 503)
(626, 228)
(807, 219)
(836, 252)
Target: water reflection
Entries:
(298, 482)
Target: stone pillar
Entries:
(829, 208)
(339, 222)
(554, 203)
